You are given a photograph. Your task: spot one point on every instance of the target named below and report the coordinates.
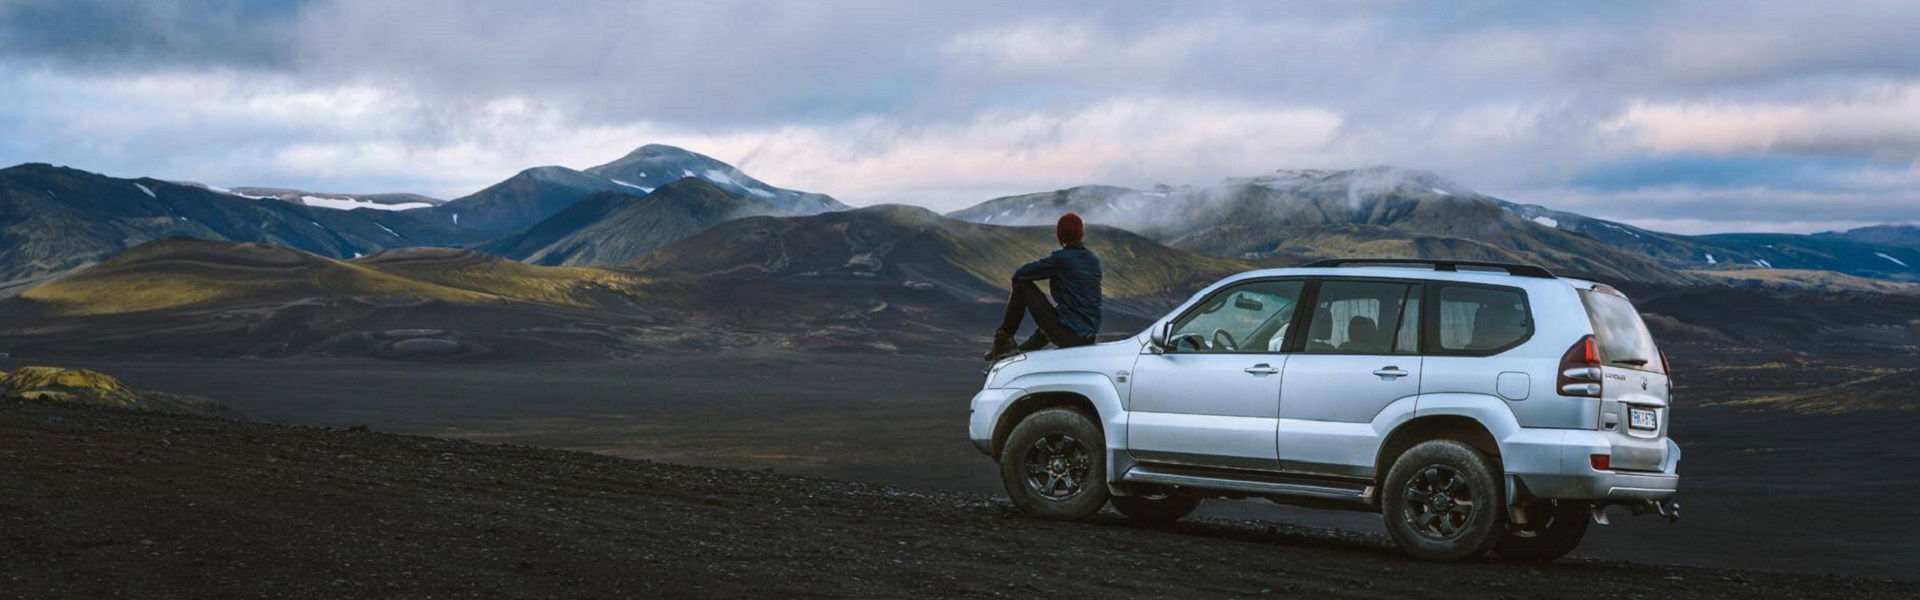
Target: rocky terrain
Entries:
(80, 386)
(106, 503)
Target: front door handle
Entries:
(1390, 372)
(1262, 369)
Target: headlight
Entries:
(994, 371)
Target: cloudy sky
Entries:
(1682, 116)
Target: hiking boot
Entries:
(1037, 341)
(1002, 346)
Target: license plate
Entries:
(1643, 418)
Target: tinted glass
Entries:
(1623, 338)
(1247, 318)
(1482, 319)
(1362, 317)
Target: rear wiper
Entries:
(1632, 362)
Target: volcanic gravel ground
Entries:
(103, 503)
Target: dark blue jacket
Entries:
(1073, 280)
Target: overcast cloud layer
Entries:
(1690, 117)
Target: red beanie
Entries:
(1070, 229)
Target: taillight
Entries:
(1665, 366)
(1580, 370)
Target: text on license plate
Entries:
(1643, 418)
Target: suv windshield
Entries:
(1623, 338)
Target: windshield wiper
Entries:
(1632, 362)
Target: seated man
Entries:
(1072, 274)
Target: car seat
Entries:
(1363, 336)
(1495, 326)
(1320, 335)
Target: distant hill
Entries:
(535, 195)
(81, 386)
(903, 246)
(1904, 236)
(520, 201)
(654, 165)
(1286, 215)
(614, 228)
(185, 273)
(53, 219)
(1384, 211)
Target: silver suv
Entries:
(1477, 406)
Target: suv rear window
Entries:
(1623, 338)
(1477, 320)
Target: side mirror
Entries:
(1157, 340)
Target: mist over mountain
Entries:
(1384, 211)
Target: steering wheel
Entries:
(1198, 343)
(1224, 341)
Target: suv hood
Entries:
(1103, 358)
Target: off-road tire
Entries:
(1054, 428)
(1554, 530)
(1160, 507)
(1427, 484)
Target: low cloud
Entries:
(948, 104)
(1878, 120)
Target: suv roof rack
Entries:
(1514, 269)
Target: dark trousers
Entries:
(1027, 299)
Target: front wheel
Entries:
(1156, 507)
(1553, 530)
(1442, 501)
(1054, 465)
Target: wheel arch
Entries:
(1461, 426)
(1090, 393)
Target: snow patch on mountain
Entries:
(1895, 260)
(145, 189)
(1710, 259)
(384, 227)
(1439, 191)
(1763, 262)
(643, 189)
(1544, 220)
(350, 203)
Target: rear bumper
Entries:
(1557, 466)
(985, 416)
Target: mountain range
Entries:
(56, 219)
(1286, 215)
(669, 248)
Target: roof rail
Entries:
(1514, 269)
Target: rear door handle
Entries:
(1390, 372)
(1262, 369)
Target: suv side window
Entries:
(1479, 320)
(1364, 317)
(1249, 318)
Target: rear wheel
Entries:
(1054, 465)
(1443, 501)
(1156, 506)
(1554, 528)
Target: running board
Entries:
(1251, 483)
